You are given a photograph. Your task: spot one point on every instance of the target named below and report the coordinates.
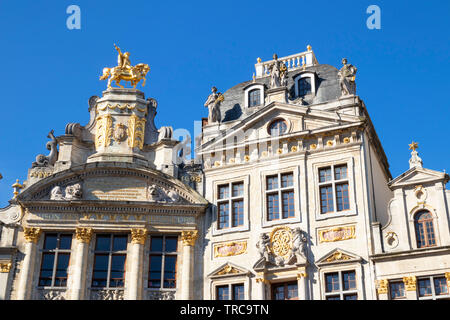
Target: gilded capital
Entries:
(5, 266)
(32, 234)
(189, 237)
(138, 235)
(83, 234)
(382, 286)
(410, 283)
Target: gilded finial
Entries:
(254, 79)
(413, 146)
(17, 186)
(308, 47)
(258, 59)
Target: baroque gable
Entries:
(416, 176)
(228, 269)
(338, 256)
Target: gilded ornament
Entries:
(17, 186)
(382, 286)
(410, 283)
(246, 158)
(228, 269)
(32, 234)
(103, 130)
(280, 151)
(217, 164)
(138, 236)
(189, 237)
(447, 276)
(413, 146)
(338, 256)
(294, 149)
(329, 143)
(5, 266)
(314, 146)
(136, 130)
(120, 132)
(83, 234)
(346, 140)
(337, 234)
(233, 248)
(281, 242)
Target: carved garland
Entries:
(136, 130)
(103, 131)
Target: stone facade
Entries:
(290, 196)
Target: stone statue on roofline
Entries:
(213, 105)
(278, 73)
(347, 78)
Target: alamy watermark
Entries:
(74, 20)
(374, 20)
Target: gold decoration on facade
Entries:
(281, 241)
(246, 158)
(337, 234)
(329, 143)
(5, 266)
(447, 276)
(314, 146)
(301, 273)
(32, 234)
(120, 132)
(382, 286)
(40, 174)
(308, 47)
(83, 234)
(136, 131)
(294, 149)
(217, 164)
(338, 256)
(410, 283)
(125, 71)
(17, 186)
(280, 151)
(346, 140)
(138, 235)
(103, 130)
(258, 59)
(262, 280)
(189, 237)
(233, 248)
(231, 160)
(121, 107)
(413, 146)
(228, 269)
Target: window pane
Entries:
(154, 277)
(277, 128)
(222, 293)
(340, 172)
(224, 215)
(292, 291)
(224, 192)
(272, 182)
(156, 244)
(287, 180)
(352, 296)
(349, 280)
(326, 199)
(171, 244)
(304, 86)
(254, 98)
(100, 274)
(397, 289)
(332, 282)
(45, 278)
(288, 204)
(325, 174)
(272, 207)
(61, 269)
(65, 241)
(103, 243)
(278, 293)
(238, 292)
(238, 213)
(238, 189)
(120, 243)
(170, 263)
(440, 286)
(333, 298)
(50, 241)
(342, 198)
(424, 287)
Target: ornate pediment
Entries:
(417, 176)
(338, 256)
(229, 269)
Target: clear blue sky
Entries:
(49, 72)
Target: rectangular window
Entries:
(109, 261)
(397, 290)
(235, 200)
(55, 260)
(285, 291)
(222, 293)
(334, 189)
(433, 288)
(230, 292)
(280, 186)
(238, 291)
(341, 285)
(304, 86)
(163, 262)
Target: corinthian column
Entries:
(301, 284)
(187, 275)
(138, 237)
(261, 284)
(26, 274)
(83, 237)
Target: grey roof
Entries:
(327, 89)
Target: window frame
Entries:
(340, 292)
(56, 252)
(306, 74)
(275, 285)
(230, 287)
(247, 90)
(391, 282)
(433, 295)
(426, 233)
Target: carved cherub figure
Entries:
(73, 192)
(56, 193)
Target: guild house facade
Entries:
(289, 197)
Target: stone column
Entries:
(5, 267)
(382, 289)
(187, 275)
(83, 237)
(410, 287)
(26, 274)
(261, 284)
(301, 284)
(138, 237)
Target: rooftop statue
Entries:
(278, 73)
(347, 78)
(213, 104)
(125, 71)
(50, 159)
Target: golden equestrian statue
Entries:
(125, 71)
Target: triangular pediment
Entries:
(228, 269)
(338, 256)
(309, 119)
(417, 175)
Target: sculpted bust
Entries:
(73, 192)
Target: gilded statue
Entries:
(125, 71)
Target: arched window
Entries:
(277, 128)
(423, 222)
(304, 86)
(254, 98)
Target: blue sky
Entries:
(49, 72)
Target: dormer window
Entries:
(305, 84)
(254, 98)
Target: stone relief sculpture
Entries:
(347, 78)
(72, 192)
(298, 246)
(159, 194)
(111, 294)
(46, 161)
(278, 73)
(263, 249)
(213, 104)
